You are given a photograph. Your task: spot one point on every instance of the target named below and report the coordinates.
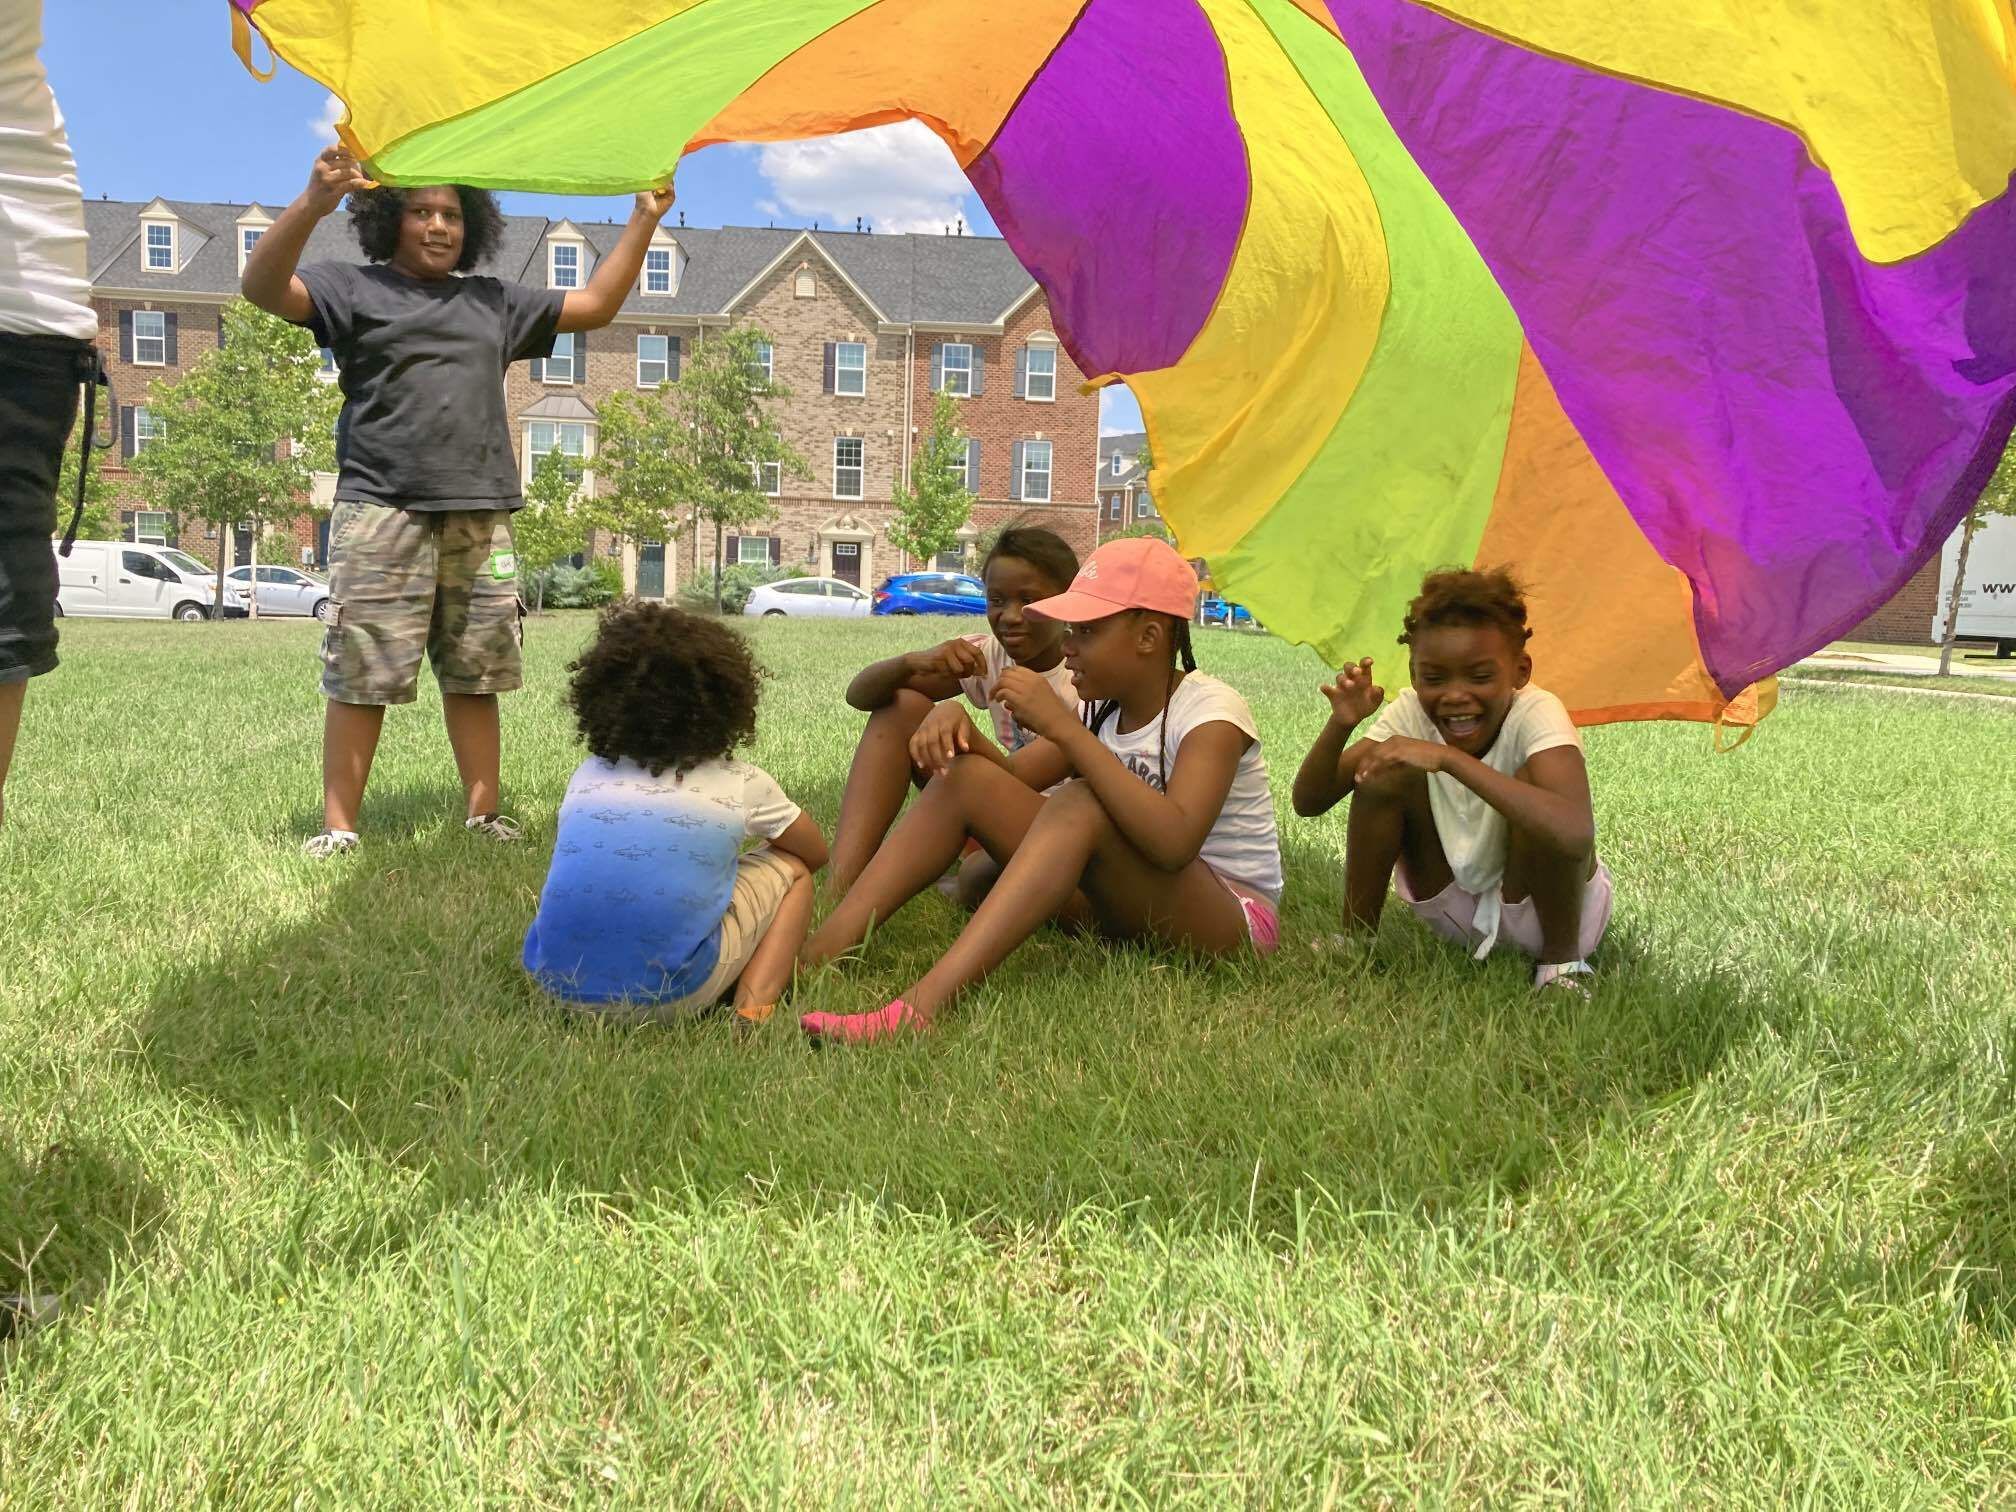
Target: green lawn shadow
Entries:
(395, 1022)
(69, 1215)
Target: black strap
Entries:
(92, 374)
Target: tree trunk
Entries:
(1953, 602)
(223, 553)
(718, 568)
(252, 578)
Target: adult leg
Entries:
(877, 784)
(1391, 824)
(349, 742)
(474, 644)
(39, 377)
(974, 797)
(475, 733)
(1556, 879)
(1071, 843)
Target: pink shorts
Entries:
(1263, 919)
(1452, 914)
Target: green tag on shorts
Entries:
(503, 566)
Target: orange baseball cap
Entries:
(1138, 573)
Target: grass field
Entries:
(342, 1217)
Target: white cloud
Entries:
(324, 125)
(1119, 411)
(899, 177)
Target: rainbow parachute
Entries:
(1701, 314)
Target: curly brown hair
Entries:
(664, 688)
(375, 215)
(1459, 596)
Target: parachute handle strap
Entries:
(241, 43)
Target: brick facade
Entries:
(1908, 618)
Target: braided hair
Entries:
(1181, 655)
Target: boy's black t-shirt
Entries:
(422, 372)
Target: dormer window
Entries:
(658, 271)
(160, 247)
(566, 266)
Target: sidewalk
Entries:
(1903, 663)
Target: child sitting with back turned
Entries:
(652, 909)
(1469, 792)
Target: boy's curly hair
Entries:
(375, 215)
(664, 688)
(1458, 596)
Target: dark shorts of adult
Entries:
(40, 378)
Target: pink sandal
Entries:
(862, 1028)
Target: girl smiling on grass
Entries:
(1164, 830)
(1469, 794)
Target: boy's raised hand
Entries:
(654, 202)
(1354, 697)
(335, 175)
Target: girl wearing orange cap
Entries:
(1164, 832)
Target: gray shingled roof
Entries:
(923, 280)
(1129, 444)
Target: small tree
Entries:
(247, 428)
(638, 442)
(1998, 498)
(97, 523)
(553, 525)
(722, 435)
(935, 506)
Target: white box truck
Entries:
(1988, 600)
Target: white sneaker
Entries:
(496, 826)
(330, 843)
(1572, 976)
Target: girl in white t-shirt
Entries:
(916, 725)
(1469, 792)
(1167, 832)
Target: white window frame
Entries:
(958, 555)
(963, 390)
(148, 248)
(1049, 459)
(957, 467)
(248, 238)
(160, 338)
(768, 363)
(841, 369)
(572, 359)
(1030, 375)
(860, 468)
(561, 432)
(742, 557)
(770, 478)
(1119, 463)
(669, 272)
(1142, 507)
(148, 428)
(553, 250)
(663, 363)
(142, 537)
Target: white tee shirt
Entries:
(1009, 735)
(1474, 835)
(1244, 846)
(47, 287)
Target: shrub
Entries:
(737, 583)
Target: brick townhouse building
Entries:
(864, 330)
(1123, 482)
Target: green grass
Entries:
(1994, 687)
(342, 1216)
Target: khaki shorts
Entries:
(762, 879)
(403, 583)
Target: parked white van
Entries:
(122, 580)
(1988, 600)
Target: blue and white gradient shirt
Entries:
(643, 870)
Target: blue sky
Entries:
(158, 104)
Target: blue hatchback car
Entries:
(1218, 611)
(931, 593)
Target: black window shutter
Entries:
(1022, 373)
(979, 371)
(174, 348)
(832, 361)
(174, 531)
(220, 330)
(730, 550)
(1015, 471)
(937, 367)
(580, 356)
(125, 335)
(973, 464)
(675, 353)
(538, 369)
(127, 433)
(776, 551)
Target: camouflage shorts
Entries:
(403, 582)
